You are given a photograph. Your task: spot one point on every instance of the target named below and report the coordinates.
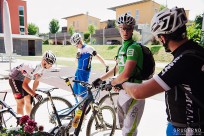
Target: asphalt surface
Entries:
(153, 122)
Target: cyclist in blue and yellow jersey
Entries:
(84, 57)
(129, 110)
(182, 80)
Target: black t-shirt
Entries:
(188, 71)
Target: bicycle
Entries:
(4, 117)
(97, 115)
(61, 103)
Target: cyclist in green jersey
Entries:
(130, 54)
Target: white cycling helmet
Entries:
(49, 57)
(126, 19)
(75, 38)
(168, 21)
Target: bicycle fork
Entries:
(98, 117)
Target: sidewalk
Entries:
(153, 121)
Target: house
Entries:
(142, 11)
(23, 44)
(80, 22)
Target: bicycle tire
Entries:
(2, 122)
(46, 118)
(107, 97)
(91, 124)
(105, 100)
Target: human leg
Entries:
(16, 87)
(20, 106)
(81, 75)
(28, 104)
(133, 117)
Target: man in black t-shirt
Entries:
(181, 79)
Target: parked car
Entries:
(113, 42)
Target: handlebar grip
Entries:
(76, 81)
(107, 69)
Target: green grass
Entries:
(108, 52)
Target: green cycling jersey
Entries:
(130, 50)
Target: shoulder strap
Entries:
(199, 103)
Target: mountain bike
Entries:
(61, 103)
(6, 114)
(96, 122)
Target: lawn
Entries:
(108, 52)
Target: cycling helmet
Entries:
(75, 38)
(168, 21)
(126, 19)
(49, 57)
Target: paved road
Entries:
(154, 118)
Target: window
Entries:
(90, 22)
(73, 24)
(95, 23)
(155, 10)
(137, 14)
(21, 20)
(77, 24)
(129, 13)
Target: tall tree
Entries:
(54, 27)
(32, 29)
(91, 30)
(71, 30)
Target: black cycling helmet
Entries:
(168, 21)
(49, 57)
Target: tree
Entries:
(162, 7)
(32, 29)
(54, 26)
(136, 36)
(91, 30)
(71, 30)
(195, 31)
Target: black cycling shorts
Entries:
(17, 89)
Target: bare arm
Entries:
(26, 87)
(110, 73)
(125, 75)
(36, 83)
(144, 90)
(101, 59)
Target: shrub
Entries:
(26, 127)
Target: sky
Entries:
(41, 12)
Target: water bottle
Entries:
(77, 117)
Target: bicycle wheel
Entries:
(42, 112)
(98, 126)
(106, 100)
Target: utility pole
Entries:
(103, 35)
(203, 23)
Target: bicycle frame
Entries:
(7, 108)
(87, 99)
